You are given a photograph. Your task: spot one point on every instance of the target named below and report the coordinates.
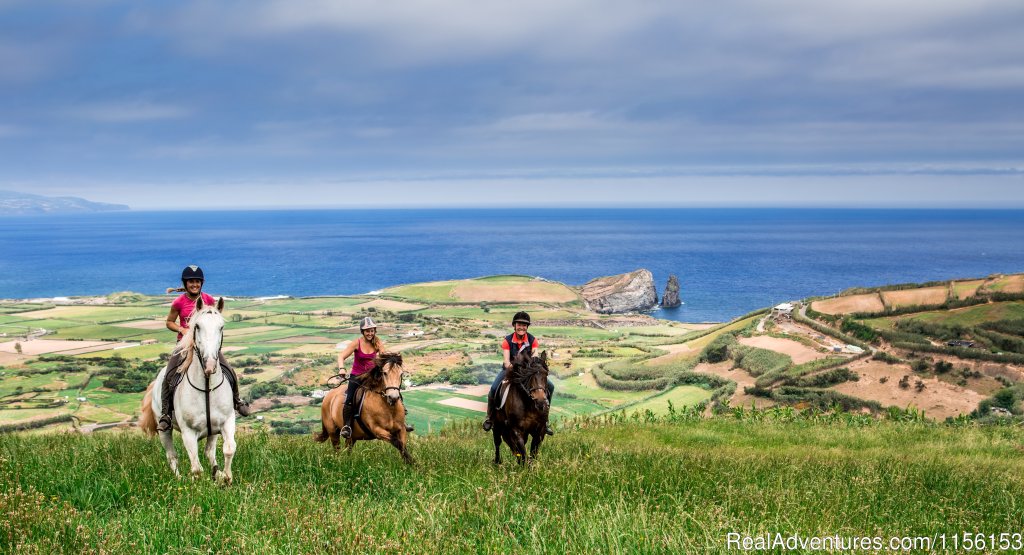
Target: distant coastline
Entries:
(13, 203)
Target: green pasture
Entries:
(141, 352)
(104, 332)
(428, 416)
(8, 416)
(587, 390)
(48, 323)
(622, 487)
(437, 292)
(967, 317)
(572, 332)
(310, 304)
(680, 396)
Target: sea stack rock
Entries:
(630, 292)
(671, 297)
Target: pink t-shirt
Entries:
(186, 306)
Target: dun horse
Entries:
(202, 401)
(380, 411)
(524, 412)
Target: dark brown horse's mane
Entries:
(375, 378)
(522, 372)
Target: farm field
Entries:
(285, 349)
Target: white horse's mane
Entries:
(189, 337)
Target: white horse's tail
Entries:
(147, 420)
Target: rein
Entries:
(207, 390)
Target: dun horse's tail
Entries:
(147, 420)
(323, 435)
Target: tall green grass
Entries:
(628, 487)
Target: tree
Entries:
(17, 348)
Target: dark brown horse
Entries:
(525, 411)
(383, 412)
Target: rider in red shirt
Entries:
(520, 341)
(177, 320)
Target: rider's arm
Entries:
(345, 353)
(508, 359)
(172, 321)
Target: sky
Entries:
(416, 103)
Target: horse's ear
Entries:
(544, 357)
(220, 304)
(199, 303)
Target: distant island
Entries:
(15, 203)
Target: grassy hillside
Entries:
(661, 486)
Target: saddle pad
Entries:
(503, 393)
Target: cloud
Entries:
(129, 112)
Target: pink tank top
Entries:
(362, 363)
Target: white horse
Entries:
(203, 406)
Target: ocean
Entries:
(729, 261)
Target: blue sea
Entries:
(729, 261)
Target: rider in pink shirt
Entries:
(177, 320)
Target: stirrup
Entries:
(410, 428)
(164, 424)
(243, 408)
(346, 431)
(548, 430)
(488, 425)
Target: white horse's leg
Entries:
(211, 454)
(191, 441)
(228, 432)
(172, 454)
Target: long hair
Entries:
(376, 343)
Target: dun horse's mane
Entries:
(375, 377)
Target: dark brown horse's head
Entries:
(387, 373)
(531, 373)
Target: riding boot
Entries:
(241, 406)
(346, 415)
(167, 404)
(551, 392)
(170, 383)
(489, 421)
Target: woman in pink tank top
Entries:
(362, 363)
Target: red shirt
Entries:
(186, 306)
(518, 343)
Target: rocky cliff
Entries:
(630, 292)
(671, 297)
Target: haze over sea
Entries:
(729, 261)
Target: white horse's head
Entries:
(207, 327)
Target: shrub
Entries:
(758, 361)
(859, 330)
(886, 357)
(825, 379)
(267, 389)
(718, 350)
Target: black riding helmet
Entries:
(521, 317)
(191, 272)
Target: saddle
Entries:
(503, 393)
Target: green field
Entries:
(680, 396)
(670, 487)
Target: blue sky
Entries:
(463, 103)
